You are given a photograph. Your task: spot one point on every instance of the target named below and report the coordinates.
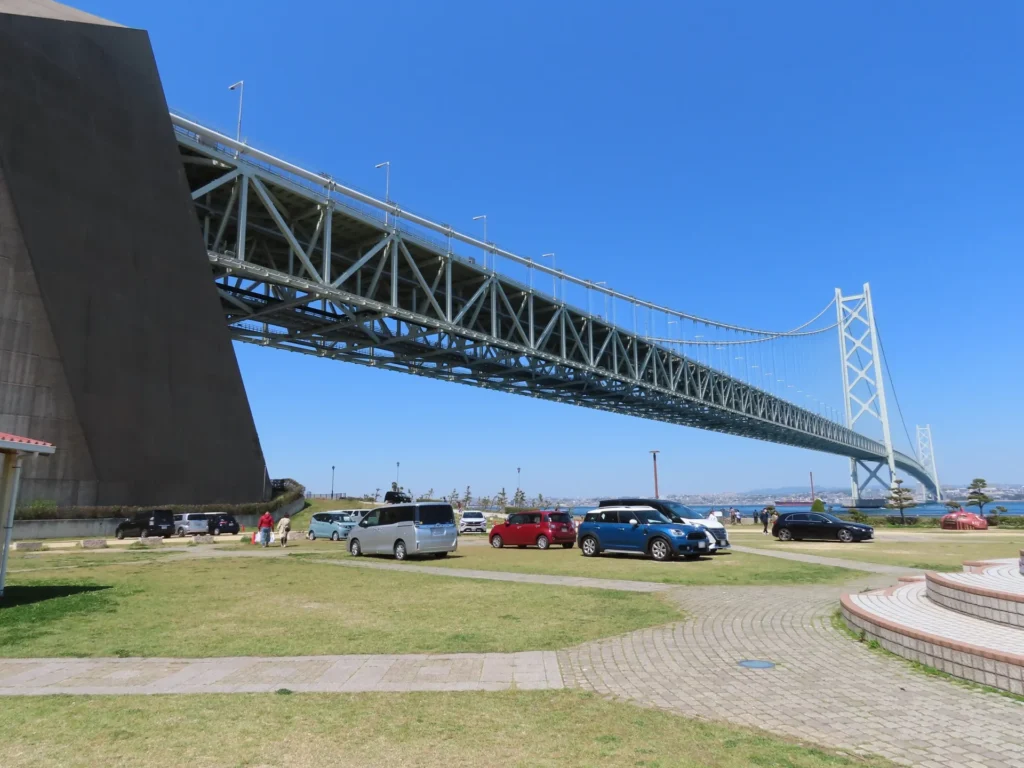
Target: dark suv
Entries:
(158, 522)
(396, 497)
(221, 523)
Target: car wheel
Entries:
(144, 533)
(785, 534)
(353, 548)
(400, 552)
(311, 536)
(568, 546)
(119, 533)
(181, 532)
(660, 550)
(496, 541)
(334, 536)
(589, 546)
(543, 542)
(845, 535)
(216, 531)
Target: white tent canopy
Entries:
(13, 449)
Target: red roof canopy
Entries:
(10, 442)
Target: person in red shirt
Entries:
(266, 525)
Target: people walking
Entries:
(266, 526)
(764, 520)
(284, 525)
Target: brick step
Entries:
(994, 592)
(904, 621)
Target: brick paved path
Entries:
(856, 565)
(826, 688)
(325, 674)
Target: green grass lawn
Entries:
(23, 562)
(271, 606)
(734, 568)
(935, 554)
(524, 729)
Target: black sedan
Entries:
(221, 523)
(794, 526)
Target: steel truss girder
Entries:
(410, 304)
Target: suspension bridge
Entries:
(307, 264)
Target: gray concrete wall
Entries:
(113, 344)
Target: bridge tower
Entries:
(926, 455)
(863, 384)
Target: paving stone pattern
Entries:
(324, 674)
(826, 688)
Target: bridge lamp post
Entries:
(483, 217)
(554, 279)
(240, 87)
(654, 455)
(386, 165)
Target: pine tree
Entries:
(519, 499)
(502, 501)
(467, 497)
(900, 498)
(976, 496)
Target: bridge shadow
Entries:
(29, 594)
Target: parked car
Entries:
(191, 523)
(219, 523)
(473, 521)
(396, 497)
(640, 529)
(540, 528)
(963, 519)
(330, 525)
(404, 530)
(717, 535)
(158, 522)
(792, 526)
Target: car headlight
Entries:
(677, 532)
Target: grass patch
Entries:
(570, 729)
(270, 606)
(839, 623)
(734, 568)
(947, 554)
(62, 559)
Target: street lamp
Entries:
(554, 280)
(386, 165)
(518, 477)
(654, 455)
(332, 481)
(240, 86)
(398, 469)
(483, 217)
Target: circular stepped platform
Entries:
(994, 592)
(905, 620)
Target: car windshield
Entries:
(682, 510)
(472, 514)
(650, 516)
(434, 514)
(344, 518)
(559, 517)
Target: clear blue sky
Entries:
(738, 160)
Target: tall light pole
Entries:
(554, 279)
(519, 475)
(332, 481)
(386, 165)
(483, 217)
(654, 455)
(240, 87)
(398, 470)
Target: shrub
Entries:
(48, 510)
(818, 506)
(1011, 521)
(896, 520)
(857, 516)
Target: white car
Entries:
(473, 521)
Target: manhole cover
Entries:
(757, 664)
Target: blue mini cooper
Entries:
(642, 530)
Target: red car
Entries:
(526, 529)
(961, 520)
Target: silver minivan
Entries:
(405, 530)
(191, 524)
